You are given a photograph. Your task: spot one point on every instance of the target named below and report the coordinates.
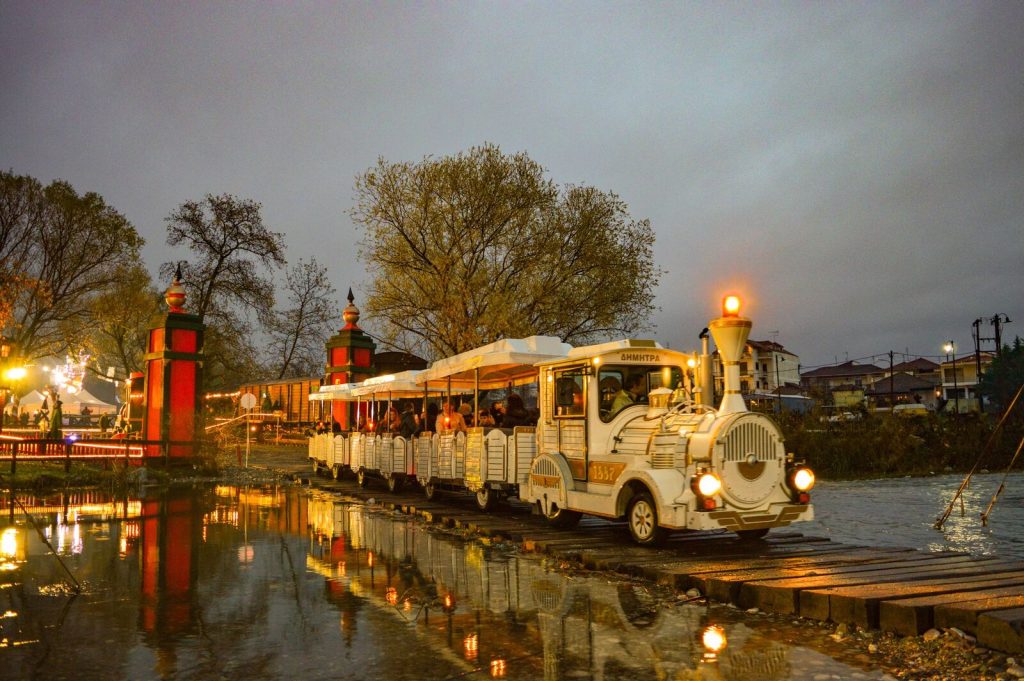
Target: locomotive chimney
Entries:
(730, 332)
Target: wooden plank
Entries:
(684, 574)
(859, 604)
(965, 615)
(785, 595)
(727, 586)
(1002, 630)
(913, 616)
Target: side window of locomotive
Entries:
(569, 395)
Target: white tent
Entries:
(71, 403)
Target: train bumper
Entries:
(776, 515)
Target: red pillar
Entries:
(349, 359)
(174, 356)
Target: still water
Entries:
(270, 583)
(226, 582)
(903, 511)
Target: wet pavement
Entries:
(277, 581)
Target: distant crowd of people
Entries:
(403, 419)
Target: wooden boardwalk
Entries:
(903, 591)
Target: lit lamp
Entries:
(950, 348)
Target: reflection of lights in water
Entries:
(498, 667)
(714, 641)
(9, 542)
(449, 603)
(122, 547)
(9, 549)
(341, 569)
(369, 558)
(245, 553)
(391, 596)
(407, 605)
(471, 645)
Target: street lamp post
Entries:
(950, 348)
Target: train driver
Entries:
(631, 394)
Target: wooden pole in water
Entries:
(963, 485)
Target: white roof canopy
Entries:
(329, 393)
(497, 364)
(398, 385)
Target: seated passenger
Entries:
(408, 426)
(515, 414)
(450, 420)
(484, 419)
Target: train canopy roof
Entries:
(402, 384)
(330, 393)
(497, 364)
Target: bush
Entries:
(883, 444)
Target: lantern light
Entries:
(731, 306)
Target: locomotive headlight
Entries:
(801, 479)
(709, 484)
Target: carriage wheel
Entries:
(486, 499)
(562, 518)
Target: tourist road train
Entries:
(625, 429)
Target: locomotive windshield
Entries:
(623, 385)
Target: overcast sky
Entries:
(855, 169)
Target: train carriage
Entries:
(489, 462)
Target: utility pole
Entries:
(892, 403)
(977, 344)
(997, 321)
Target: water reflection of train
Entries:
(505, 616)
(625, 429)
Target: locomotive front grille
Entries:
(750, 438)
(753, 460)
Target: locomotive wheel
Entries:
(430, 491)
(562, 518)
(486, 499)
(642, 518)
(750, 535)
(395, 483)
(361, 478)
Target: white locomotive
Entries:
(666, 462)
(625, 429)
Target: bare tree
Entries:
(229, 277)
(298, 334)
(467, 249)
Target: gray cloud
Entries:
(857, 169)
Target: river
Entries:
(280, 582)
